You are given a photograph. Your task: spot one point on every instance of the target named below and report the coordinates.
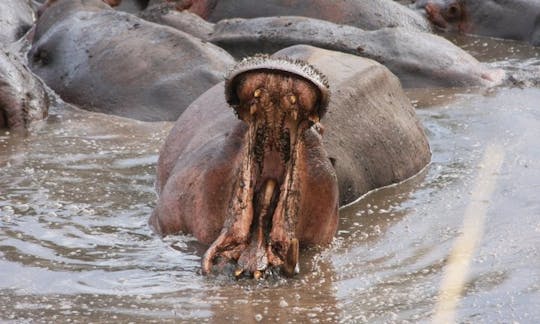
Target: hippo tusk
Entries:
(290, 266)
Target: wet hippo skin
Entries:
(112, 62)
(512, 19)
(257, 186)
(419, 59)
(366, 14)
(23, 99)
(16, 18)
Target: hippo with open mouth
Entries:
(257, 186)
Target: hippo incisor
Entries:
(257, 185)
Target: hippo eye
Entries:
(257, 93)
(292, 99)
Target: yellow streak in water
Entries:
(459, 261)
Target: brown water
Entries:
(76, 193)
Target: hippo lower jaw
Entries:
(259, 231)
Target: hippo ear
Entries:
(265, 62)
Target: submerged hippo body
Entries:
(417, 58)
(112, 62)
(254, 188)
(16, 18)
(512, 19)
(366, 14)
(23, 98)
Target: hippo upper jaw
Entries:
(260, 226)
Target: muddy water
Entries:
(75, 195)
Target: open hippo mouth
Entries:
(279, 100)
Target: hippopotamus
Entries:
(512, 19)
(419, 59)
(112, 62)
(23, 98)
(168, 14)
(16, 18)
(366, 14)
(257, 166)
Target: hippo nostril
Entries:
(454, 11)
(332, 161)
(41, 56)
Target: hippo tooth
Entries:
(238, 272)
(257, 274)
(292, 99)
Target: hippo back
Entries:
(112, 62)
(372, 134)
(366, 14)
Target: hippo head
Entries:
(448, 15)
(286, 182)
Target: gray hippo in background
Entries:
(512, 19)
(23, 98)
(365, 14)
(167, 14)
(16, 18)
(112, 62)
(260, 179)
(419, 59)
